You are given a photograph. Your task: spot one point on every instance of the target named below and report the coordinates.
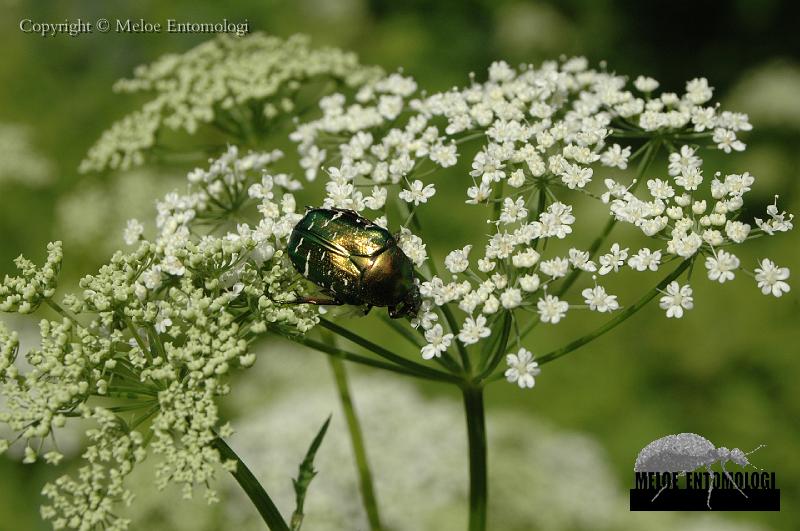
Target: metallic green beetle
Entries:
(354, 261)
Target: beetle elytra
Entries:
(354, 261)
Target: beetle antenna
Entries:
(759, 447)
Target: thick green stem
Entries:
(357, 440)
(266, 508)
(476, 436)
(622, 316)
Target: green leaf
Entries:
(305, 474)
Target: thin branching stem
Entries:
(618, 319)
(649, 154)
(397, 363)
(371, 362)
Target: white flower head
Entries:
(677, 299)
(772, 279)
(133, 231)
(551, 309)
(721, 266)
(418, 193)
(458, 261)
(438, 342)
(522, 369)
(473, 330)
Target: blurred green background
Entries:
(728, 372)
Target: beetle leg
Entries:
(728, 475)
(710, 485)
(318, 301)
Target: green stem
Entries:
(357, 440)
(415, 367)
(493, 361)
(622, 316)
(446, 360)
(269, 513)
(476, 435)
(349, 356)
(61, 311)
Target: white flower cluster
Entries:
(547, 132)
(24, 294)
(237, 85)
(159, 328)
(689, 224)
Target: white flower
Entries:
(526, 258)
(437, 340)
(645, 84)
(444, 155)
(682, 160)
(726, 140)
(377, 199)
(555, 267)
(173, 266)
(163, 323)
(513, 210)
(698, 91)
(580, 260)
(473, 330)
(529, 283)
(684, 245)
(152, 277)
(613, 260)
(771, 278)
(419, 193)
(616, 157)
(721, 266)
(458, 261)
(413, 247)
(645, 259)
(516, 179)
(522, 368)
(133, 231)
(575, 176)
(737, 231)
(600, 301)
(551, 309)
(660, 189)
(491, 305)
(511, 298)
(676, 299)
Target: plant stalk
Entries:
(264, 504)
(476, 436)
(357, 440)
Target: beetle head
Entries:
(739, 457)
(409, 306)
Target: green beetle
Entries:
(354, 261)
